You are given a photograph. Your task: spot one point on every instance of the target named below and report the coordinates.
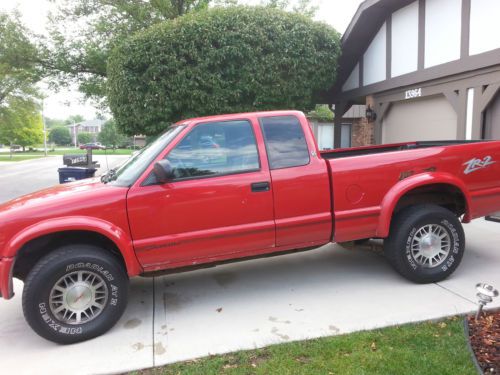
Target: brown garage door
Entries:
(425, 119)
(492, 119)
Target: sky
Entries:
(337, 13)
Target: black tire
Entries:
(406, 230)
(106, 285)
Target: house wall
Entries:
(374, 59)
(362, 132)
(426, 40)
(433, 48)
(470, 94)
(484, 26)
(492, 119)
(353, 80)
(404, 41)
(443, 21)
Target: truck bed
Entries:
(368, 150)
(365, 179)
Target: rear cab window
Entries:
(285, 142)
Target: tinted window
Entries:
(130, 171)
(285, 142)
(215, 149)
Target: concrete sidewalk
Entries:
(324, 292)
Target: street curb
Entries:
(469, 346)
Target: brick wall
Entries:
(362, 132)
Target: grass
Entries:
(15, 158)
(426, 348)
(71, 151)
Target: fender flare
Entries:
(78, 223)
(393, 196)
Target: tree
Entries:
(299, 6)
(222, 60)
(20, 70)
(85, 138)
(74, 119)
(20, 122)
(321, 114)
(80, 54)
(51, 123)
(20, 66)
(60, 135)
(110, 136)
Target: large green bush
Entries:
(223, 60)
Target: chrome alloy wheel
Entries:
(78, 297)
(431, 245)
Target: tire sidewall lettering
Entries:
(91, 267)
(65, 329)
(454, 251)
(408, 255)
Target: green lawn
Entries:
(426, 348)
(72, 151)
(6, 157)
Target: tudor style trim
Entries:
(465, 38)
(465, 63)
(421, 34)
(452, 80)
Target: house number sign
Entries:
(415, 93)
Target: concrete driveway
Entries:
(323, 292)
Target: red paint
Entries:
(197, 221)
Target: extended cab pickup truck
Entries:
(233, 187)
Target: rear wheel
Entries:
(74, 294)
(426, 243)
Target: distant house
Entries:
(93, 127)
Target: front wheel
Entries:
(75, 293)
(426, 243)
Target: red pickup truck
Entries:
(233, 187)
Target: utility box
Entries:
(75, 160)
(78, 167)
(70, 174)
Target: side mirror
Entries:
(163, 171)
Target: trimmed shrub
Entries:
(222, 60)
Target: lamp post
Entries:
(485, 294)
(44, 130)
(75, 134)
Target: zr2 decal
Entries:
(477, 164)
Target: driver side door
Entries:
(219, 203)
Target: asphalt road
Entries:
(24, 177)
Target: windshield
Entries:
(131, 170)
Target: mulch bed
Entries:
(484, 335)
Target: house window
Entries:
(325, 136)
(346, 135)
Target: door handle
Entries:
(259, 187)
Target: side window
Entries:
(216, 149)
(285, 142)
